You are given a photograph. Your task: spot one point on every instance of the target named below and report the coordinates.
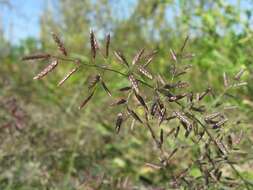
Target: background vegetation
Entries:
(58, 147)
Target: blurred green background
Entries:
(59, 147)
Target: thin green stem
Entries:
(103, 67)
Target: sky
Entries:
(22, 19)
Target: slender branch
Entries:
(100, 67)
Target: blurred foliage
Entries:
(62, 148)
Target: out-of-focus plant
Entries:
(196, 123)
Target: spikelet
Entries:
(173, 55)
(153, 166)
(149, 57)
(60, 44)
(179, 84)
(212, 116)
(121, 58)
(170, 132)
(162, 116)
(119, 102)
(141, 100)
(172, 153)
(86, 100)
(36, 56)
(119, 122)
(67, 76)
(186, 123)
(225, 80)
(220, 123)
(96, 43)
(239, 74)
(134, 115)
(161, 136)
(145, 72)
(204, 94)
(107, 45)
(134, 83)
(177, 97)
(92, 44)
(177, 131)
(154, 108)
(127, 88)
(137, 57)
(93, 81)
(48, 69)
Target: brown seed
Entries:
(141, 100)
(177, 131)
(181, 84)
(46, 70)
(170, 132)
(134, 83)
(172, 153)
(92, 44)
(36, 56)
(137, 57)
(154, 108)
(86, 100)
(200, 109)
(204, 94)
(145, 72)
(177, 97)
(60, 44)
(186, 123)
(127, 88)
(106, 88)
(107, 45)
(230, 141)
(161, 136)
(212, 116)
(162, 116)
(121, 58)
(93, 81)
(119, 102)
(134, 115)
(220, 123)
(67, 76)
(119, 122)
